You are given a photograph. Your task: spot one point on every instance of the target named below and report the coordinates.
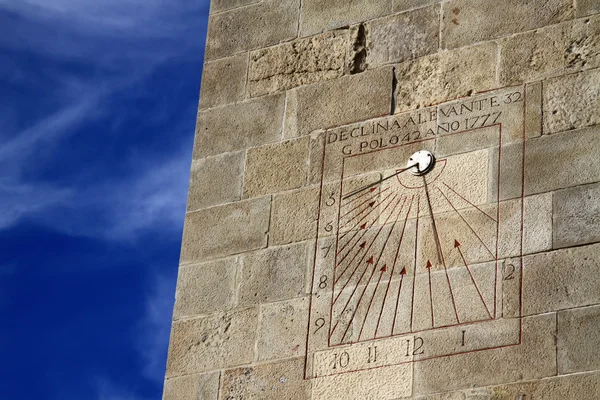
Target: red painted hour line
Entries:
(360, 196)
(459, 195)
(366, 201)
(383, 269)
(457, 246)
(412, 304)
(430, 293)
(363, 218)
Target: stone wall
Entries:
(303, 101)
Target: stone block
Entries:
(552, 162)
(301, 62)
(223, 230)
(534, 358)
(381, 384)
(320, 16)
(273, 274)
(572, 101)
(578, 340)
(576, 216)
(273, 381)
(259, 25)
(204, 288)
(294, 216)
(224, 5)
(223, 81)
(239, 126)
(402, 37)
(465, 22)
(551, 51)
(215, 180)
(280, 329)
(342, 101)
(276, 167)
(217, 341)
(403, 5)
(586, 7)
(192, 387)
(561, 279)
(440, 77)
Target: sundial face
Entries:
(420, 235)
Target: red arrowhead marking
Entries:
(362, 245)
(456, 243)
(403, 272)
(373, 189)
(384, 268)
(370, 260)
(428, 264)
(363, 226)
(371, 203)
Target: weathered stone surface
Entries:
(552, 162)
(445, 76)
(223, 230)
(276, 167)
(319, 16)
(301, 62)
(561, 279)
(223, 81)
(239, 126)
(572, 101)
(534, 358)
(577, 386)
(578, 340)
(402, 37)
(205, 288)
(403, 5)
(586, 7)
(273, 381)
(576, 216)
(294, 216)
(279, 329)
(342, 101)
(192, 387)
(215, 180)
(224, 5)
(258, 25)
(466, 22)
(550, 51)
(273, 274)
(207, 343)
(386, 384)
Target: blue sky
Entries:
(97, 110)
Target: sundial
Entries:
(420, 235)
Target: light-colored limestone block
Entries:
(345, 100)
(273, 274)
(301, 62)
(534, 358)
(466, 22)
(215, 180)
(217, 341)
(223, 81)
(577, 216)
(586, 7)
(550, 51)
(445, 76)
(403, 5)
(276, 167)
(382, 384)
(319, 16)
(192, 387)
(239, 126)
(204, 288)
(578, 340)
(561, 279)
(280, 329)
(572, 101)
(273, 381)
(258, 25)
(224, 230)
(402, 37)
(294, 216)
